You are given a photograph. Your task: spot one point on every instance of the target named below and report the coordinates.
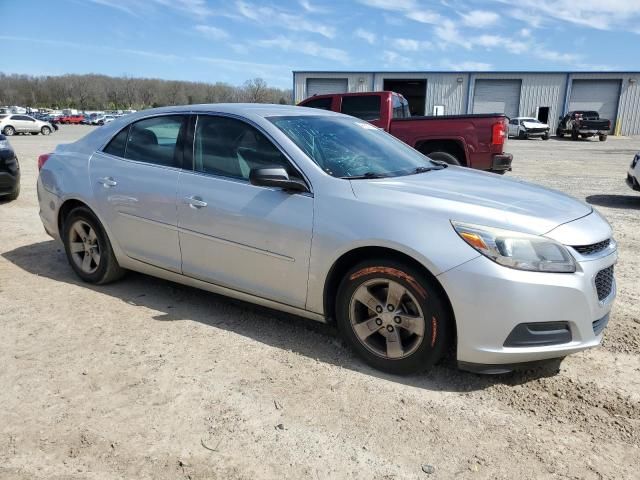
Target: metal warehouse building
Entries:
(544, 95)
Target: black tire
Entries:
(574, 135)
(107, 269)
(523, 135)
(444, 157)
(34, 133)
(45, 130)
(559, 133)
(545, 136)
(602, 138)
(425, 350)
(13, 195)
(9, 131)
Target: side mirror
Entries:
(275, 177)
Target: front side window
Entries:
(155, 140)
(366, 107)
(117, 145)
(347, 148)
(231, 148)
(321, 103)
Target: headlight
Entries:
(517, 250)
(4, 145)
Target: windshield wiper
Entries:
(366, 175)
(439, 166)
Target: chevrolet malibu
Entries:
(325, 216)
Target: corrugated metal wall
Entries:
(538, 90)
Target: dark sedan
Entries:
(9, 171)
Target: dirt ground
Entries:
(148, 379)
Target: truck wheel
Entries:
(393, 317)
(574, 135)
(602, 138)
(444, 157)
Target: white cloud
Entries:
(393, 59)
(214, 33)
(480, 18)
(425, 16)
(525, 32)
(466, 66)
(366, 35)
(410, 45)
(396, 5)
(311, 8)
(306, 47)
(448, 34)
(281, 19)
(194, 8)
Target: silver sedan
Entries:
(325, 216)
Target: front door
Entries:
(135, 182)
(252, 239)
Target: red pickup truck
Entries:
(474, 141)
(68, 119)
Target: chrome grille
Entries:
(604, 282)
(593, 248)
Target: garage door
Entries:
(497, 96)
(599, 95)
(321, 86)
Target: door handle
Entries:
(107, 182)
(195, 202)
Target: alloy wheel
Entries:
(84, 246)
(386, 318)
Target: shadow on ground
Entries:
(627, 202)
(311, 339)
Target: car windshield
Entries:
(352, 148)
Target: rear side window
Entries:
(155, 140)
(400, 107)
(321, 103)
(366, 107)
(117, 144)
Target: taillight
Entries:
(42, 159)
(498, 133)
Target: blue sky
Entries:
(234, 40)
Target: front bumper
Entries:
(536, 133)
(633, 182)
(501, 162)
(489, 301)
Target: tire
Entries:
(574, 135)
(45, 130)
(35, 133)
(602, 138)
(389, 345)
(83, 230)
(545, 136)
(444, 157)
(13, 195)
(523, 135)
(559, 133)
(9, 131)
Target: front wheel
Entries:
(88, 248)
(545, 136)
(393, 316)
(45, 131)
(444, 157)
(9, 131)
(602, 138)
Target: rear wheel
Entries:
(45, 130)
(393, 316)
(602, 138)
(88, 248)
(444, 157)
(9, 131)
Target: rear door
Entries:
(20, 123)
(234, 234)
(135, 182)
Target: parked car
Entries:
(9, 171)
(98, 120)
(75, 119)
(585, 124)
(474, 141)
(633, 175)
(409, 256)
(528, 127)
(12, 124)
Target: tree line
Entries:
(101, 92)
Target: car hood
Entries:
(526, 124)
(471, 196)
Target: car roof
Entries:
(244, 109)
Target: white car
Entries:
(633, 175)
(12, 124)
(528, 127)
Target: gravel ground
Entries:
(148, 379)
